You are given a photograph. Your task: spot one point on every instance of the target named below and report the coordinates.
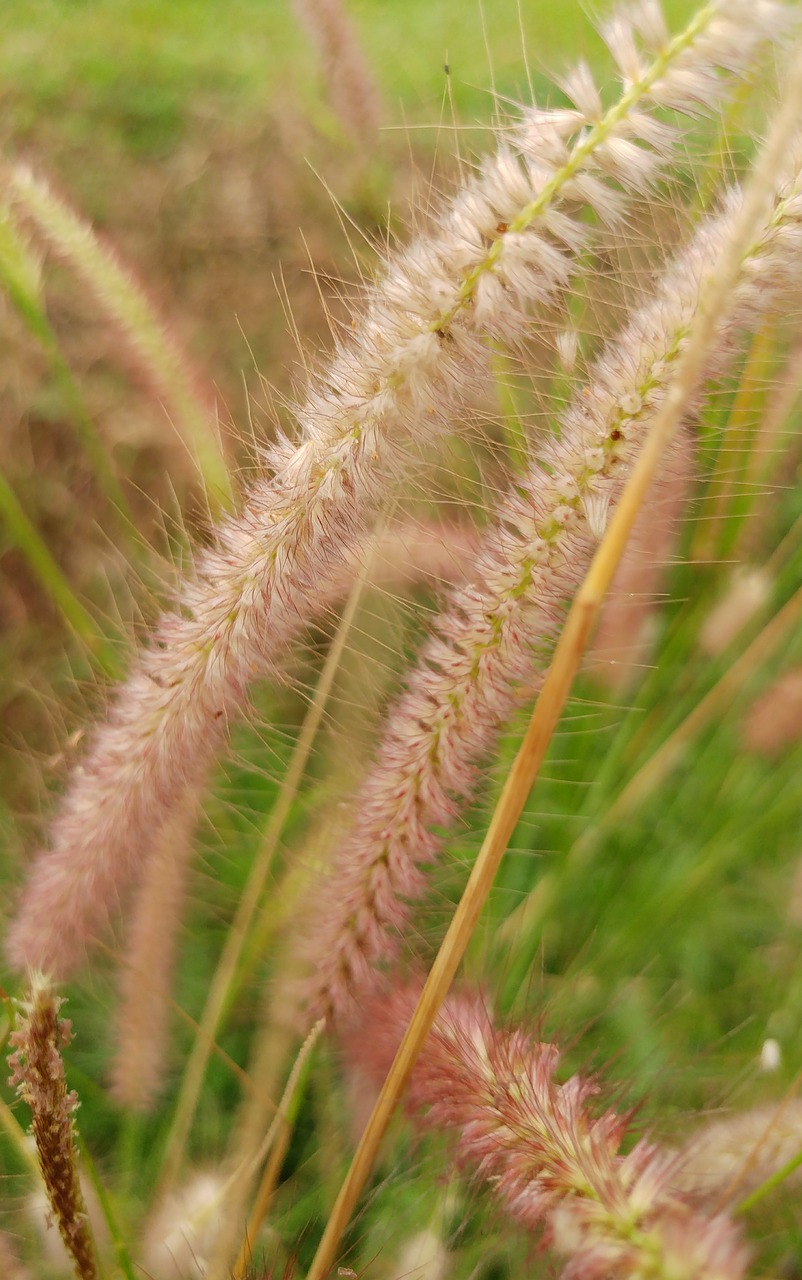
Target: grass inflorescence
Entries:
(432, 873)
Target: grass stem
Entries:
(567, 656)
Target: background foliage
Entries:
(658, 943)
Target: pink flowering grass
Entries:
(427, 515)
(494, 636)
(506, 243)
(550, 1158)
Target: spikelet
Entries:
(507, 242)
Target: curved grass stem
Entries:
(37, 553)
(224, 979)
(753, 214)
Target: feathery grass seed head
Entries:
(37, 1071)
(547, 1158)
(505, 241)
(491, 640)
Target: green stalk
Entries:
(19, 277)
(33, 547)
(123, 1257)
(775, 1180)
(129, 309)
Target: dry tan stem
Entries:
(236, 938)
(567, 656)
(273, 1146)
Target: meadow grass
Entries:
(646, 916)
(173, 60)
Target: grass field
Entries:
(647, 915)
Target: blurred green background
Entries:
(198, 139)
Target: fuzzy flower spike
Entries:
(38, 1072)
(507, 241)
(496, 635)
(547, 1159)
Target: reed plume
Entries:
(733, 1155)
(142, 1017)
(157, 355)
(772, 723)
(623, 637)
(506, 243)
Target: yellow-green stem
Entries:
(754, 214)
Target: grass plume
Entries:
(504, 244)
(544, 1154)
(606, 301)
(37, 1071)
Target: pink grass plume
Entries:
(549, 1158)
(506, 243)
(495, 635)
